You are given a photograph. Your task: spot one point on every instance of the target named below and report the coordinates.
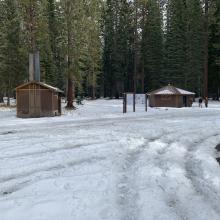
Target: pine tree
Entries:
(214, 49)
(55, 58)
(123, 54)
(36, 32)
(2, 48)
(175, 44)
(118, 48)
(12, 69)
(206, 48)
(195, 47)
(74, 40)
(152, 45)
(108, 55)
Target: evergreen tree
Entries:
(108, 55)
(214, 49)
(175, 44)
(109, 47)
(206, 48)
(56, 60)
(152, 45)
(195, 48)
(2, 46)
(36, 32)
(118, 48)
(12, 60)
(74, 40)
(123, 52)
(93, 50)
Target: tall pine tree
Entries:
(12, 68)
(214, 49)
(175, 44)
(195, 48)
(152, 45)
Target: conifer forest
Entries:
(103, 48)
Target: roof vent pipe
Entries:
(34, 67)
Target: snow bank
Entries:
(96, 163)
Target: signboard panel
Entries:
(139, 99)
(128, 100)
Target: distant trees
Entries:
(12, 61)
(214, 49)
(91, 62)
(195, 46)
(82, 44)
(118, 38)
(105, 48)
(152, 46)
(175, 43)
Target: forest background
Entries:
(99, 48)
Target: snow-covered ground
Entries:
(96, 163)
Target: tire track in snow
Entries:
(48, 150)
(127, 188)
(192, 167)
(24, 178)
(189, 166)
(98, 121)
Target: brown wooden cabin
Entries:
(170, 96)
(36, 99)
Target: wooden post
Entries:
(52, 110)
(206, 52)
(134, 97)
(17, 105)
(146, 102)
(135, 54)
(124, 103)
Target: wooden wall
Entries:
(175, 101)
(34, 100)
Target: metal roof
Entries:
(170, 90)
(55, 89)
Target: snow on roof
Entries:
(170, 90)
(184, 92)
(165, 92)
(42, 84)
(51, 87)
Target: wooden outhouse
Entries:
(36, 99)
(170, 96)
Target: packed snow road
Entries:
(97, 163)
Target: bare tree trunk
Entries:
(1, 98)
(70, 96)
(93, 93)
(206, 56)
(8, 100)
(70, 86)
(143, 12)
(135, 55)
(93, 83)
(70, 82)
(142, 81)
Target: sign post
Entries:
(124, 103)
(146, 102)
(133, 99)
